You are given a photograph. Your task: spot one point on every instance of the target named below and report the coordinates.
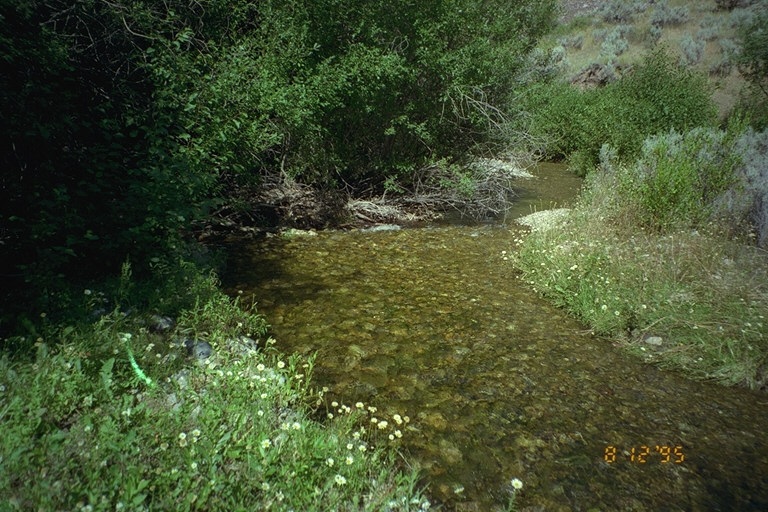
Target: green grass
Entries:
(677, 288)
(241, 431)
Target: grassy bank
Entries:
(85, 429)
(662, 256)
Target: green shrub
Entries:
(700, 178)
(137, 121)
(655, 249)
(656, 96)
(753, 64)
(678, 178)
(669, 97)
(746, 204)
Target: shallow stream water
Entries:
(434, 323)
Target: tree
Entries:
(753, 65)
(125, 122)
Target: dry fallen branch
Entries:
(481, 190)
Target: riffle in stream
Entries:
(433, 322)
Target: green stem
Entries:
(138, 370)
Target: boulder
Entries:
(158, 323)
(597, 75)
(200, 350)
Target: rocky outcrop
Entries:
(595, 75)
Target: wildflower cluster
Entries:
(378, 423)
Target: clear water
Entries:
(434, 323)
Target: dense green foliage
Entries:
(124, 123)
(655, 96)
(678, 179)
(753, 64)
(92, 173)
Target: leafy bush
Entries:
(753, 59)
(753, 64)
(654, 248)
(704, 176)
(125, 126)
(109, 181)
(746, 205)
(350, 91)
(680, 98)
(679, 177)
(656, 96)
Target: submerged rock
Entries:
(450, 453)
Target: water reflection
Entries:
(499, 384)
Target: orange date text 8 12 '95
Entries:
(643, 454)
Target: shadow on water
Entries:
(433, 323)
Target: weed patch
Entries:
(83, 430)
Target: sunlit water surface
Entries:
(433, 323)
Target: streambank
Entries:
(483, 190)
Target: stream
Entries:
(434, 323)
